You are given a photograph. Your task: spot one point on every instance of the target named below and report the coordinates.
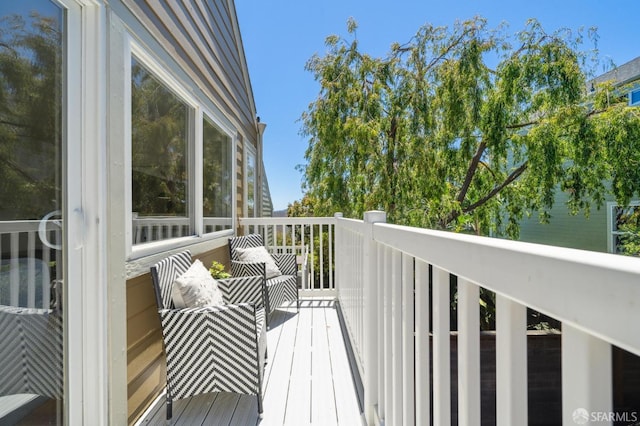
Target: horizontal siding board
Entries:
(179, 43)
(145, 389)
(207, 56)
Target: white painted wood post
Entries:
(468, 353)
(586, 375)
(441, 348)
(408, 351)
(511, 362)
(371, 283)
(423, 385)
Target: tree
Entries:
(30, 115)
(466, 129)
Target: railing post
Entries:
(370, 280)
(586, 376)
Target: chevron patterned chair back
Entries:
(213, 348)
(279, 289)
(31, 351)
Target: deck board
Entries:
(307, 378)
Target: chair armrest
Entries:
(243, 289)
(286, 263)
(247, 269)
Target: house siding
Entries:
(566, 230)
(201, 38)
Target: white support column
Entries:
(408, 370)
(371, 312)
(586, 375)
(396, 338)
(422, 309)
(468, 353)
(511, 362)
(441, 348)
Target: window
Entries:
(624, 225)
(217, 178)
(160, 176)
(251, 181)
(634, 97)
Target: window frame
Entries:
(250, 150)
(631, 93)
(611, 233)
(207, 114)
(197, 114)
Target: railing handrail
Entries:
(600, 296)
(287, 221)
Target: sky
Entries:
(280, 36)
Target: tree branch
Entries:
(513, 176)
(473, 166)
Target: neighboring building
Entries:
(128, 131)
(600, 231)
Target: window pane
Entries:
(251, 183)
(635, 97)
(159, 159)
(627, 230)
(217, 178)
(32, 35)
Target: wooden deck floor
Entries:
(308, 378)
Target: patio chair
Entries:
(30, 329)
(213, 348)
(280, 271)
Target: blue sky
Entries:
(279, 36)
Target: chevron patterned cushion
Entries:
(196, 288)
(259, 255)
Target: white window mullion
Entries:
(196, 165)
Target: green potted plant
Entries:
(217, 271)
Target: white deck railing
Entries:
(27, 266)
(382, 279)
(156, 228)
(310, 237)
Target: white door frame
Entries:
(86, 322)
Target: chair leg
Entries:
(169, 409)
(260, 407)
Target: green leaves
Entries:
(464, 128)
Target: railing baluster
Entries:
(511, 362)
(381, 326)
(396, 336)
(14, 276)
(468, 353)
(408, 371)
(586, 374)
(31, 270)
(423, 386)
(441, 348)
(331, 248)
(388, 342)
(312, 258)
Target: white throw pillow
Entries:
(259, 255)
(196, 288)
